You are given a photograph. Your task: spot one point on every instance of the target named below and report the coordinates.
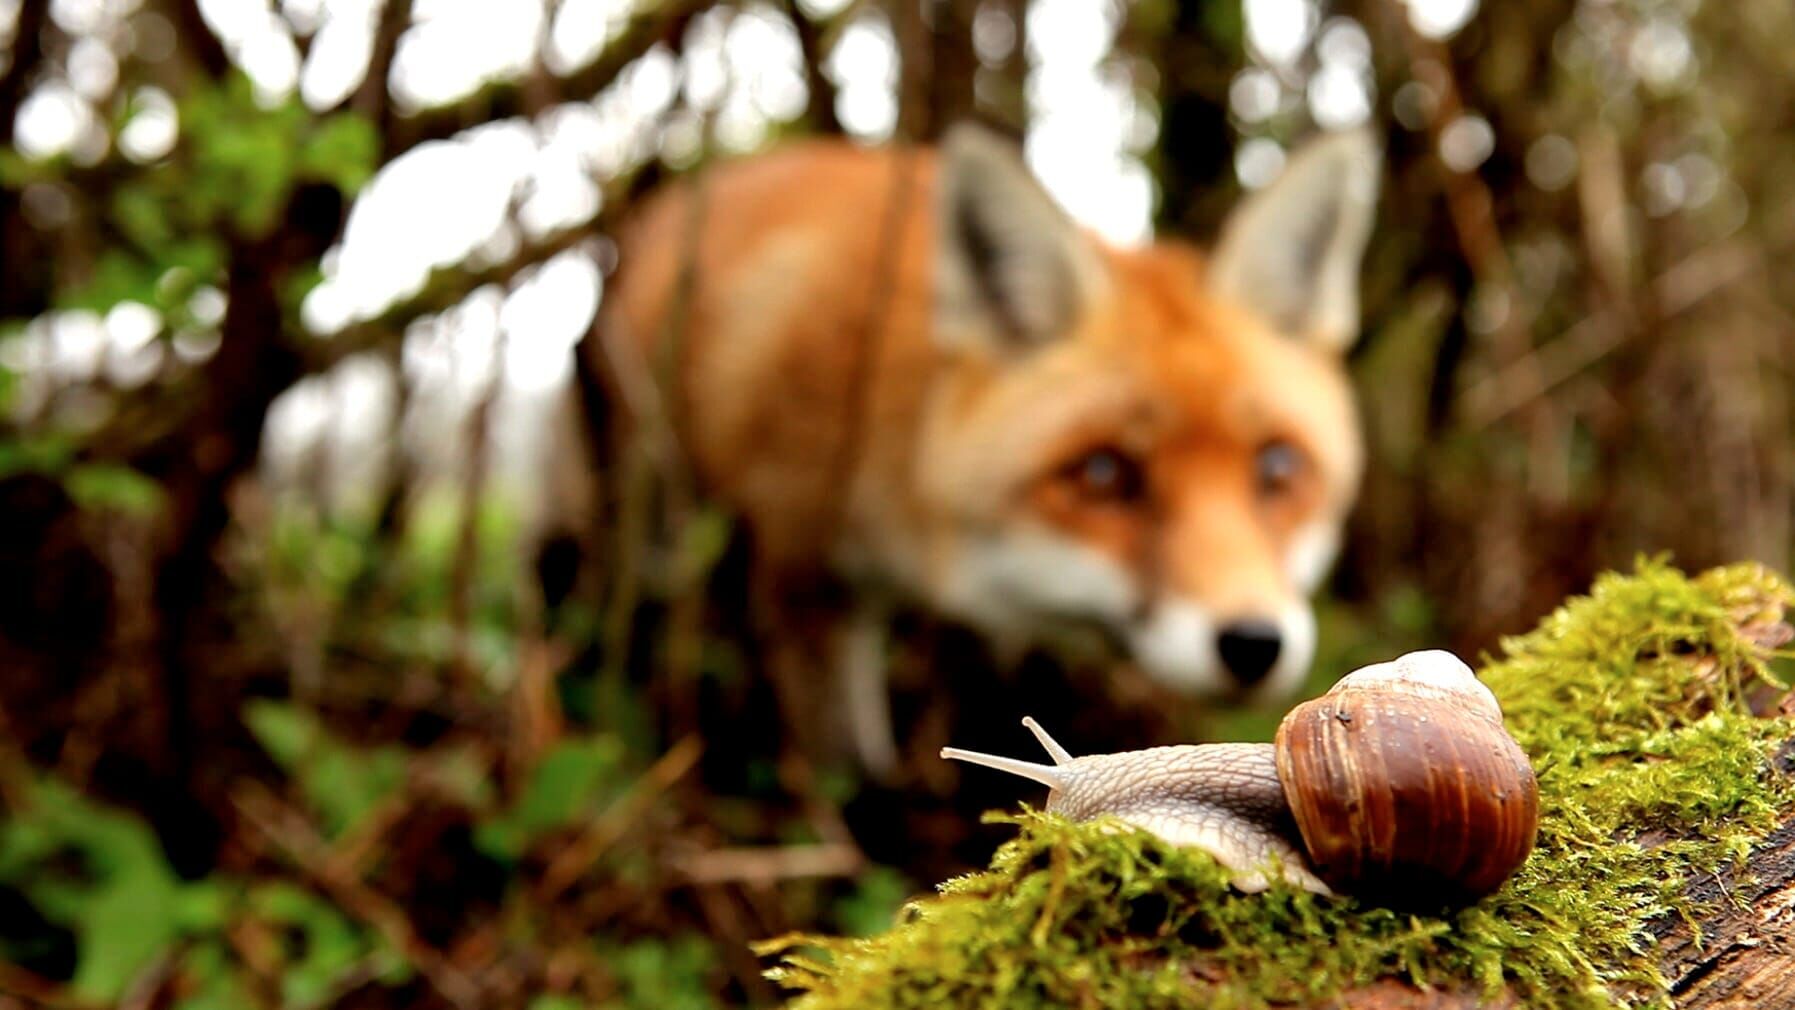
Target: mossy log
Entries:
(1664, 874)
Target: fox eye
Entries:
(1276, 465)
(1107, 475)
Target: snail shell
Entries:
(1403, 782)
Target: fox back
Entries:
(910, 370)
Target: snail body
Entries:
(1398, 785)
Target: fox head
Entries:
(1149, 443)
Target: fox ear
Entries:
(1013, 271)
(1292, 251)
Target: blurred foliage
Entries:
(98, 871)
(96, 486)
(283, 919)
(238, 163)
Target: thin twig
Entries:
(1471, 207)
(290, 833)
(1676, 290)
(535, 711)
(820, 105)
(15, 771)
(464, 567)
(684, 637)
(726, 923)
(357, 846)
(198, 39)
(38, 991)
(763, 865)
(148, 983)
(372, 99)
(574, 861)
(1469, 202)
(654, 394)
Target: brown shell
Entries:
(1408, 796)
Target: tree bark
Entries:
(819, 108)
(952, 66)
(1744, 953)
(220, 443)
(25, 283)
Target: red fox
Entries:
(908, 372)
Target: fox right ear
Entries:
(1292, 250)
(1012, 271)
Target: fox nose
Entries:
(1249, 649)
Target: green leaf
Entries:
(100, 872)
(16, 170)
(341, 783)
(324, 945)
(35, 454)
(703, 541)
(118, 276)
(142, 214)
(343, 151)
(570, 783)
(202, 254)
(461, 773)
(284, 731)
(120, 488)
(663, 975)
(209, 982)
(344, 784)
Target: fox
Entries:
(910, 374)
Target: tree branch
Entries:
(820, 106)
(445, 289)
(660, 25)
(27, 51)
(373, 98)
(200, 40)
(24, 284)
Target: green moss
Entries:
(1630, 703)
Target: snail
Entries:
(1399, 785)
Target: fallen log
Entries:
(1664, 874)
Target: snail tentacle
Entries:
(1060, 755)
(1047, 775)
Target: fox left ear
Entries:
(1013, 271)
(1292, 250)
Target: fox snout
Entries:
(1249, 649)
(1259, 655)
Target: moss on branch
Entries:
(1633, 705)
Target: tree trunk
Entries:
(1744, 954)
(1739, 955)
